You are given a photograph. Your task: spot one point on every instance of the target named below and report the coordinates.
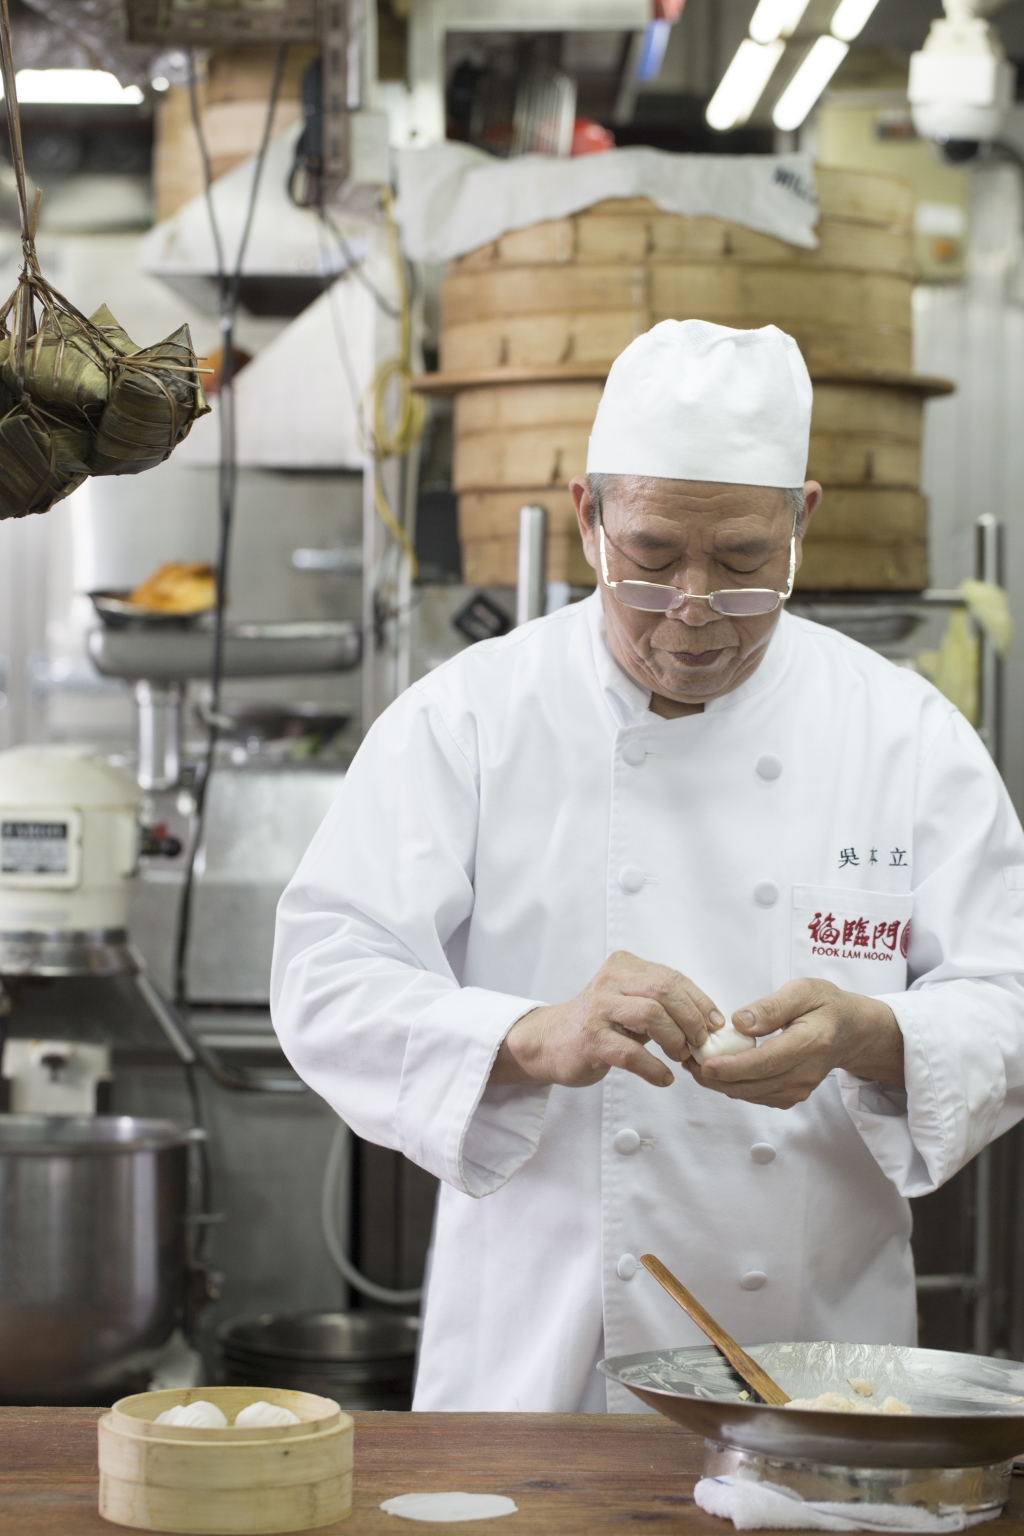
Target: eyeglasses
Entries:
(735, 602)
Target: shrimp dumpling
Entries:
(197, 1415)
(726, 1041)
(263, 1414)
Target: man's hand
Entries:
(629, 1000)
(822, 1028)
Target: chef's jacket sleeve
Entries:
(365, 993)
(962, 1017)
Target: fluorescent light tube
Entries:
(776, 18)
(808, 83)
(74, 87)
(741, 87)
(850, 17)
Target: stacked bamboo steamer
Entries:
(531, 323)
(266, 1479)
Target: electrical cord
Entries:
(228, 290)
(354, 265)
(337, 1176)
(393, 439)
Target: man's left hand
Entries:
(821, 1028)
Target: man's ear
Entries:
(583, 502)
(813, 494)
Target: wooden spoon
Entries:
(742, 1363)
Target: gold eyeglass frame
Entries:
(699, 597)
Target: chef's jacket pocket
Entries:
(856, 939)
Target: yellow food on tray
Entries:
(178, 587)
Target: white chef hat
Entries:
(689, 400)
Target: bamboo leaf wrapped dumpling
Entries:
(65, 367)
(155, 396)
(42, 459)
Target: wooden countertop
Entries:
(570, 1474)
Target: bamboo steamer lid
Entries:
(225, 1482)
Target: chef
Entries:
(567, 859)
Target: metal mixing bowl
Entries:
(968, 1411)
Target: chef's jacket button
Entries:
(631, 877)
(752, 1280)
(762, 1152)
(769, 766)
(626, 1141)
(626, 1267)
(766, 894)
(634, 753)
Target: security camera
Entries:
(961, 84)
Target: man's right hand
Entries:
(629, 1000)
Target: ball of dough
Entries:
(726, 1041)
(262, 1414)
(197, 1415)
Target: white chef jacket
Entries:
(520, 814)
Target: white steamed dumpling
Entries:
(262, 1414)
(197, 1415)
(726, 1041)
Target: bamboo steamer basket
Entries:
(219, 1482)
(538, 342)
(837, 566)
(579, 289)
(862, 538)
(523, 442)
(547, 451)
(531, 322)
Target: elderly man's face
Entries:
(701, 538)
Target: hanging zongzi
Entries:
(42, 459)
(155, 396)
(64, 367)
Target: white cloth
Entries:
(519, 814)
(690, 400)
(765, 1507)
(453, 198)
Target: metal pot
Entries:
(360, 1359)
(92, 1252)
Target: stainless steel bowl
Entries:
(92, 1252)
(968, 1411)
(360, 1359)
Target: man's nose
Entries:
(694, 610)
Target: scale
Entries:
(953, 1453)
